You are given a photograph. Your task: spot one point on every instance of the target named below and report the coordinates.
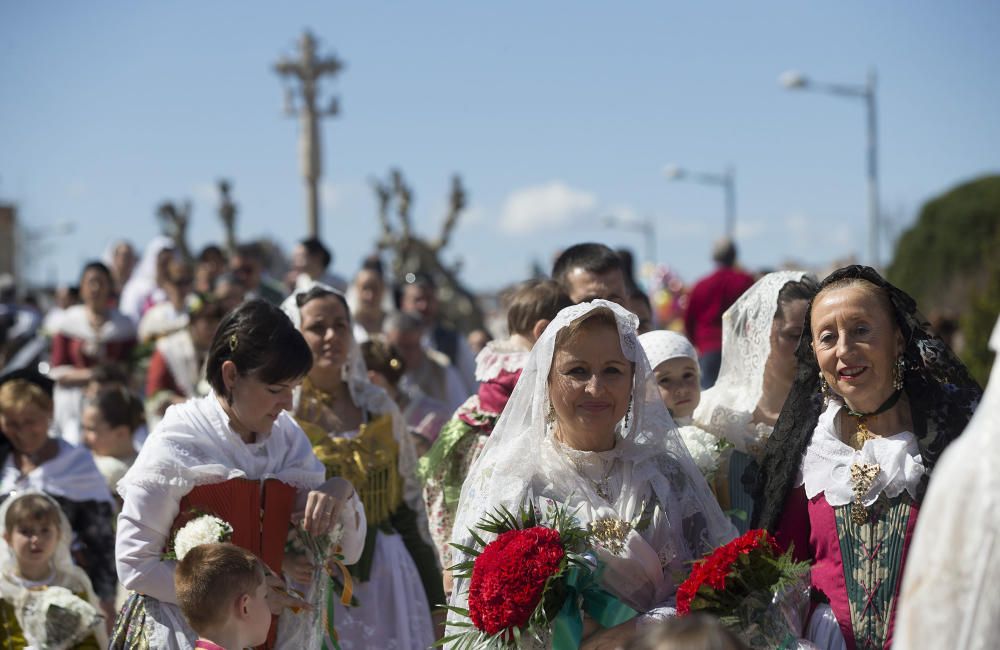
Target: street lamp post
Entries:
(726, 180)
(646, 227)
(793, 80)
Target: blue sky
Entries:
(556, 114)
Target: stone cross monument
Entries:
(307, 69)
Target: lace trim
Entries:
(828, 461)
(497, 357)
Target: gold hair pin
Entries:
(233, 342)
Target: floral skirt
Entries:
(145, 623)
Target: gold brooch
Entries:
(863, 476)
(611, 533)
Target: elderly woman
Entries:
(585, 426)
(876, 400)
(238, 455)
(357, 432)
(759, 335)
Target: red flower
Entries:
(712, 571)
(509, 576)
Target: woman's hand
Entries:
(612, 638)
(324, 505)
(298, 568)
(278, 596)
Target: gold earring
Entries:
(824, 387)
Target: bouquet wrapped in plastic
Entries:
(759, 593)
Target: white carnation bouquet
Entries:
(704, 448)
(205, 529)
(55, 618)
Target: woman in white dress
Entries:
(759, 335)
(358, 432)
(586, 426)
(238, 455)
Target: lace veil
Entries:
(726, 408)
(521, 459)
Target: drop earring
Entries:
(897, 373)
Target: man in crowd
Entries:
(710, 297)
(589, 271)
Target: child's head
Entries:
(221, 586)
(692, 632)
(108, 420)
(31, 530)
(532, 304)
(104, 375)
(675, 366)
(25, 414)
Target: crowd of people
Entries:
(349, 441)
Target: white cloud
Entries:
(542, 207)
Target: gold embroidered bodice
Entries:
(369, 460)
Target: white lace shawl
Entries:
(373, 399)
(72, 474)
(194, 445)
(827, 461)
(522, 461)
(949, 597)
(64, 572)
(726, 409)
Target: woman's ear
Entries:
(229, 373)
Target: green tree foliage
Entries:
(950, 261)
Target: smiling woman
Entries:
(586, 427)
(876, 400)
(238, 455)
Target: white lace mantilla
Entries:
(827, 462)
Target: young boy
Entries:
(33, 527)
(222, 592)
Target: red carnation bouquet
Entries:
(520, 581)
(757, 591)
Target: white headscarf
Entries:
(727, 407)
(143, 280)
(521, 456)
(65, 573)
(664, 345)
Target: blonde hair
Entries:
(18, 393)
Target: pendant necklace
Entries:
(863, 475)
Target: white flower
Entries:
(202, 530)
(703, 447)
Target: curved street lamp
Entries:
(794, 80)
(726, 180)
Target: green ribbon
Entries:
(605, 609)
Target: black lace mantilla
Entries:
(941, 393)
